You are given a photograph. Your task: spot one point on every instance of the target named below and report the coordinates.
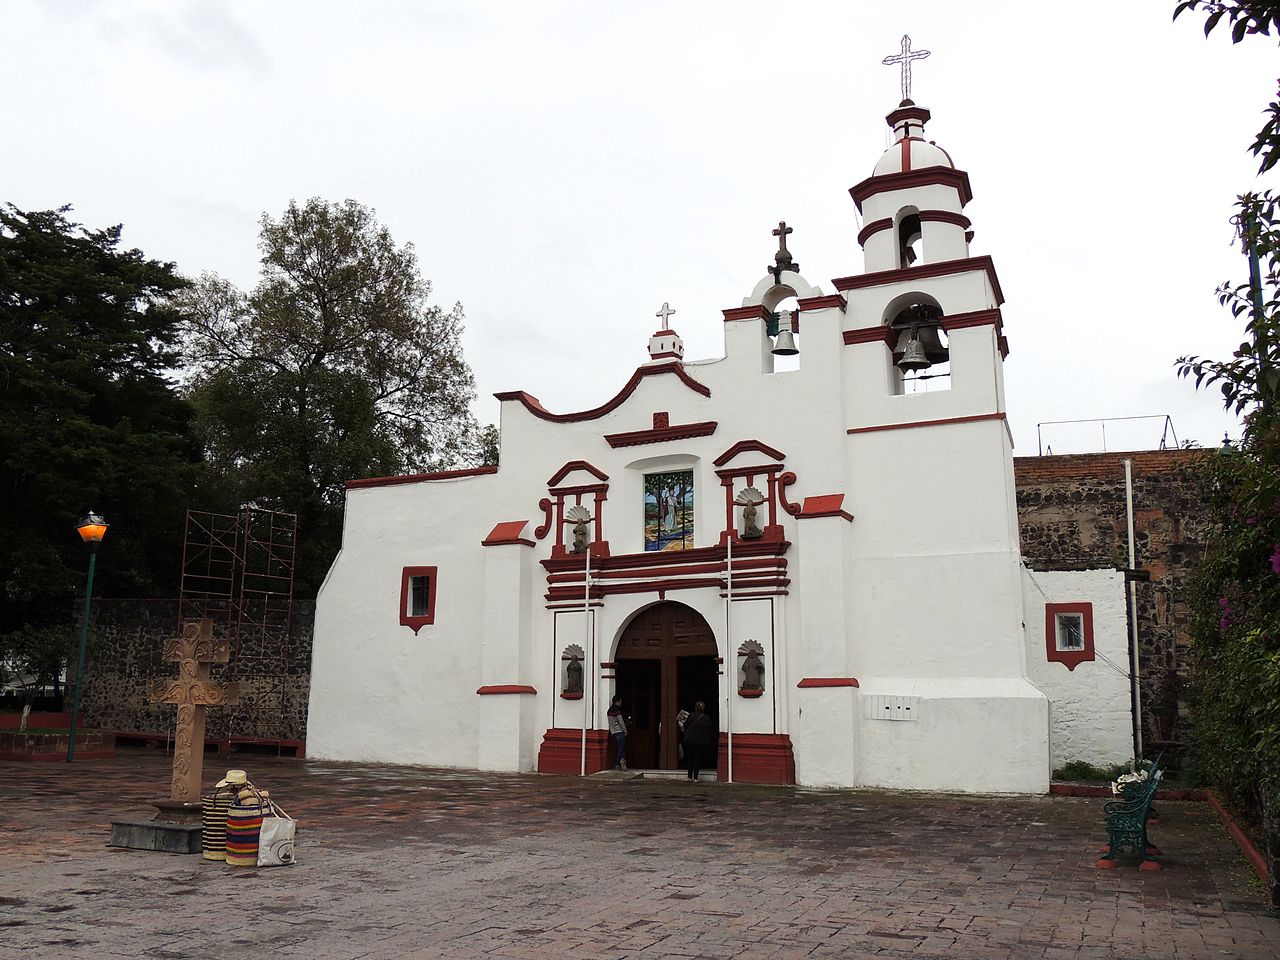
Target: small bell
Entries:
(784, 345)
(913, 356)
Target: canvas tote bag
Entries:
(275, 842)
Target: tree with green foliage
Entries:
(334, 367)
(89, 418)
(1234, 595)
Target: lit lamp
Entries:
(91, 529)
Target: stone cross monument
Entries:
(195, 652)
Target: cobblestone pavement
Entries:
(418, 863)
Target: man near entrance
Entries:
(697, 738)
(618, 729)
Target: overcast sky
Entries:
(563, 168)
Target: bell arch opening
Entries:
(910, 237)
(783, 303)
(921, 353)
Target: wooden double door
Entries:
(665, 662)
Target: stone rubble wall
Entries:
(1071, 513)
(126, 640)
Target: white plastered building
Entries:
(880, 622)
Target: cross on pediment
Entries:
(782, 259)
(195, 652)
(665, 313)
(904, 59)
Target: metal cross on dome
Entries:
(904, 58)
(664, 313)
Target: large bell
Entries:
(784, 345)
(913, 356)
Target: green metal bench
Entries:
(1127, 819)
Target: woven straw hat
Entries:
(233, 778)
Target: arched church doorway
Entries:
(666, 661)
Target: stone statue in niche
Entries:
(579, 517)
(573, 675)
(752, 667)
(749, 499)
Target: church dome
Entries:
(910, 150)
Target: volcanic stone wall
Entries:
(1071, 513)
(126, 640)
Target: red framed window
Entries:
(1068, 633)
(417, 597)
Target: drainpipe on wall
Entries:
(730, 651)
(1131, 598)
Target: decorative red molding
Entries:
(1251, 853)
(809, 683)
(822, 303)
(501, 688)
(1068, 658)
(419, 477)
(573, 465)
(648, 370)
(750, 695)
(910, 112)
(976, 318)
(1003, 343)
(784, 481)
(742, 446)
(881, 333)
(681, 431)
(509, 531)
(872, 228)
(976, 418)
(571, 696)
(946, 216)
(417, 623)
(910, 179)
(757, 758)
(754, 312)
(827, 505)
(923, 271)
(561, 751)
(542, 529)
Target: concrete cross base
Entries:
(178, 811)
(156, 835)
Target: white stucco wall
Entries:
(1091, 713)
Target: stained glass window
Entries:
(668, 510)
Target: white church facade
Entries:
(827, 556)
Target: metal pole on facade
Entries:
(1133, 614)
(730, 655)
(589, 648)
(91, 529)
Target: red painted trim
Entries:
(1251, 853)
(648, 370)
(976, 418)
(582, 465)
(742, 446)
(809, 683)
(976, 318)
(945, 216)
(509, 531)
(419, 477)
(910, 179)
(561, 751)
(872, 228)
(826, 505)
(545, 527)
(968, 236)
(754, 312)
(681, 431)
(822, 303)
(750, 695)
(880, 333)
(1068, 658)
(908, 113)
(38, 719)
(571, 696)
(785, 480)
(417, 623)
(1003, 343)
(923, 271)
(502, 688)
(757, 758)
(665, 354)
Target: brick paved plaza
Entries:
(415, 863)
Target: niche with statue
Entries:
(571, 673)
(751, 669)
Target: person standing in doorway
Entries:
(698, 730)
(618, 730)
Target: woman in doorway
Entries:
(698, 731)
(618, 728)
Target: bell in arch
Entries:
(913, 355)
(784, 345)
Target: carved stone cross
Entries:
(904, 58)
(195, 652)
(664, 313)
(782, 259)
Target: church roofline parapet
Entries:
(909, 180)
(419, 477)
(924, 271)
(822, 303)
(532, 404)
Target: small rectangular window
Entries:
(419, 595)
(1070, 631)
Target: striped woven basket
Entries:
(213, 833)
(244, 823)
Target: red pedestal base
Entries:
(1105, 864)
(561, 751)
(1149, 865)
(757, 758)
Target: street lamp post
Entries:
(91, 529)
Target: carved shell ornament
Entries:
(577, 514)
(749, 497)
